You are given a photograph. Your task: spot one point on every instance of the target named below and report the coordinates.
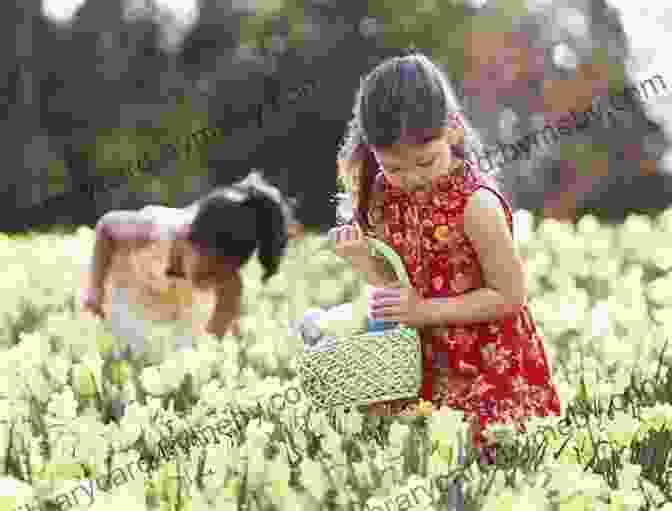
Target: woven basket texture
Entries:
(366, 367)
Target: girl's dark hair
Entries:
(233, 221)
(407, 96)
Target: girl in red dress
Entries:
(414, 186)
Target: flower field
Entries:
(602, 299)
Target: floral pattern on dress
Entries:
(495, 371)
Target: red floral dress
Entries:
(495, 371)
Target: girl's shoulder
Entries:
(472, 178)
(158, 212)
(165, 221)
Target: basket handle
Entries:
(383, 249)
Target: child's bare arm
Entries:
(226, 312)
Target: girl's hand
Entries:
(397, 303)
(349, 242)
(91, 300)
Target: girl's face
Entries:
(414, 166)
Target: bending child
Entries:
(168, 260)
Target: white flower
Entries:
(319, 423)
(504, 501)
(63, 405)
(622, 429)
(277, 476)
(89, 430)
(58, 367)
(152, 438)
(38, 384)
(398, 433)
(657, 416)
(222, 458)
(36, 345)
(258, 435)
(213, 395)
(14, 493)
(154, 382)
(353, 422)
(440, 464)
(173, 371)
(332, 443)
(314, 478)
(447, 425)
(621, 380)
(600, 321)
(629, 477)
(133, 423)
(566, 478)
(362, 472)
(138, 414)
(256, 463)
(626, 500)
(660, 291)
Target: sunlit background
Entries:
(167, 68)
(647, 24)
(176, 17)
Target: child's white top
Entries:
(139, 297)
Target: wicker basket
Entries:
(366, 367)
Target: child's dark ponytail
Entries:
(274, 215)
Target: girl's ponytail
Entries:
(358, 166)
(274, 215)
(367, 176)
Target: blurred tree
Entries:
(108, 93)
(216, 34)
(27, 35)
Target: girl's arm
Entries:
(226, 312)
(505, 289)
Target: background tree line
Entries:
(84, 101)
